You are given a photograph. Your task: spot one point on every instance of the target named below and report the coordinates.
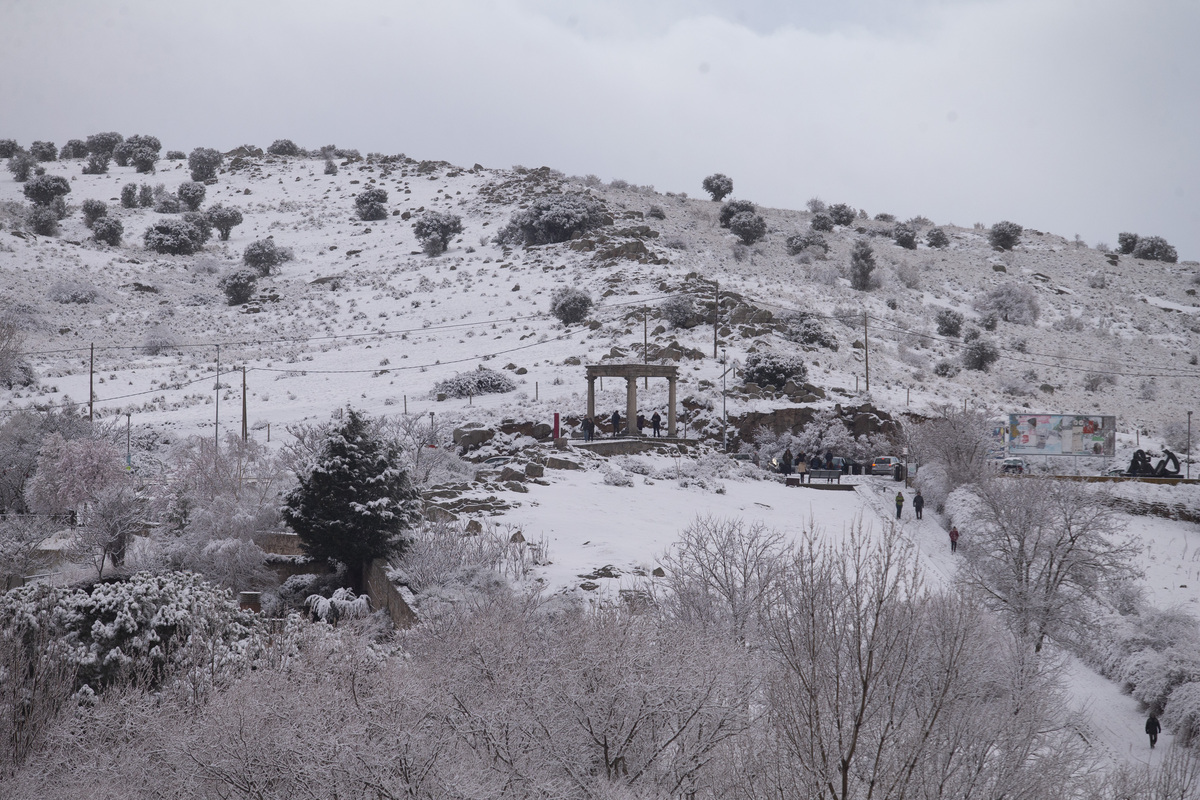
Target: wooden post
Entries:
(217, 419)
(268, 431)
(535, 390)
(646, 342)
(91, 381)
(405, 404)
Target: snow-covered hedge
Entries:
(481, 381)
(774, 369)
(553, 219)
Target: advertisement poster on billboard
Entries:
(1061, 435)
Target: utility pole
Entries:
(646, 342)
(716, 311)
(1189, 447)
(217, 419)
(91, 381)
(245, 429)
(724, 412)
(866, 353)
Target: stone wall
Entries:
(385, 595)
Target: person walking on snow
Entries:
(656, 423)
(616, 423)
(953, 539)
(899, 503)
(1153, 728)
(785, 463)
(918, 504)
(588, 428)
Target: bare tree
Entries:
(1039, 549)
(21, 540)
(12, 342)
(114, 516)
(951, 449)
(426, 451)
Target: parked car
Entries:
(884, 465)
(1014, 466)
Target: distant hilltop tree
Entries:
(1151, 248)
(841, 214)
(204, 162)
(43, 189)
(74, 148)
(937, 238)
(283, 147)
(21, 164)
(44, 151)
(371, 204)
(435, 229)
(191, 194)
(264, 255)
(718, 186)
(224, 219)
(104, 143)
(8, 147)
(732, 209)
(862, 266)
(1005, 235)
(748, 227)
(554, 219)
(904, 235)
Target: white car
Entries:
(884, 465)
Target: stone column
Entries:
(671, 406)
(591, 405)
(631, 406)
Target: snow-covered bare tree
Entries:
(1037, 551)
(950, 448)
(21, 540)
(426, 450)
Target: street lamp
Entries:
(724, 411)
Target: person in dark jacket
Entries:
(1153, 728)
(656, 423)
(616, 423)
(899, 503)
(953, 539)
(589, 428)
(641, 423)
(918, 504)
(785, 463)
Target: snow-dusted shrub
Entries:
(21, 164)
(283, 147)
(678, 310)
(8, 148)
(748, 226)
(203, 163)
(1011, 302)
(173, 237)
(553, 219)
(44, 188)
(733, 208)
(717, 186)
(949, 322)
(909, 275)
(1155, 248)
(821, 222)
(826, 432)
(175, 155)
(224, 219)
(1069, 324)
(144, 159)
(1126, 242)
(904, 235)
(862, 266)
(239, 285)
(108, 230)
(157, 340)
(42, 220)
(841, 214)
(477, 382)
(771, 368)
(191, 194)
(1005, 235)
(264, 255)
(937, 238)
(75, 291)
(167, 204)
(129, 195)
(809, 330)
(331, 168)
(343, 604)
(435, 229)
(104, 143)
(1094, 381)
(656, 212)
(371, 204)
(799, 242)
(980, 354)
(74, 148)
(570, 304)
(616, 477)
(1182, 713)
(44, 151)
(144, 630)
(93, 210)
(201, 224)
(146, 196)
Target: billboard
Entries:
(1061, 435)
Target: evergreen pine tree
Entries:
(353, 504)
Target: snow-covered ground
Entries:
(362, 317)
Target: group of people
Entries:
(919, 509)
(801, 465)
(591, 427)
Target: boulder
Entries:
(474, 439)
(554, 462)
(534, 470)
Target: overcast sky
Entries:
(1069, 116)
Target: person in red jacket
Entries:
(953, 539)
